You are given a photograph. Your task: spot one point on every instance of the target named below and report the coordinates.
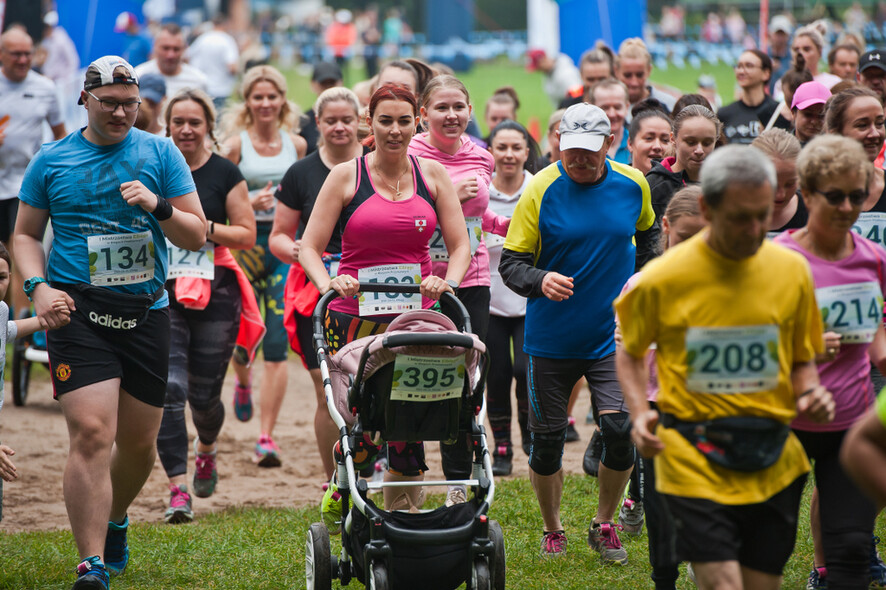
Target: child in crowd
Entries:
(8, 331)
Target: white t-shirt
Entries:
(8, 331)
(503, 302)
(28, 104)
(188, 77)
(213, 53)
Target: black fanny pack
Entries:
(111, 309)
(742, 443)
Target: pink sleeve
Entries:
(495, 224)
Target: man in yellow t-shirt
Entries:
(736, 326)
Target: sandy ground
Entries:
(38, 434)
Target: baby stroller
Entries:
(371, 385)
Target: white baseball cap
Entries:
(584, 126)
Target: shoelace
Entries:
(555, 542)
(205, 465)
(88, 564)
(179, 498)
(610, 537)
(267, 445)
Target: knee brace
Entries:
(546, 454)
(618, 450)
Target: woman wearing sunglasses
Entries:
(850, 279)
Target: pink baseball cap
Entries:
(810, 93)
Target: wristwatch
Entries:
(452, 284)
(31, 284)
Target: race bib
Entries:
(186, 263)
(438, 246)
(871, 225)
(265, 215)
(741, 359)
(494, 240)
(427, 379)
(389, 303)
(120, 259)
(854, 311)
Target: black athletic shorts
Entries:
(550, 383)
(758, 536)
(8, 212)
(82, 353)
(304, 331)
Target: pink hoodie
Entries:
(469, 161)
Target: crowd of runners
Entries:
(724, 303)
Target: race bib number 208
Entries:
(740, 359)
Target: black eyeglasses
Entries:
(109, 106)
(836, 197)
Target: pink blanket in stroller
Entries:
(345, 363)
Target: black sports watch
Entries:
(31, 284)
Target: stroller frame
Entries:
(482, 538)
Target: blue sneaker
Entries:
(116, 549)
(91, 575)
(878, 568)
(817, 579)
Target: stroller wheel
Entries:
(498, 564)
(480, 578)
(379, 579)
(318, 563)
(21, 371)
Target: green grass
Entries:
(485, 78)
(264, 548)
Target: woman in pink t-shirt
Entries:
(850, 279)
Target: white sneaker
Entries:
(456, 495)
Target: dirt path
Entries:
(37, 432)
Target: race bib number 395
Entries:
(854, 311)
(371, 304)
(120, 259)
(427, 379)
(741, 359)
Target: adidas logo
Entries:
(109, 321)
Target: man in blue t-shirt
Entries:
(113, 195)
(570, 250)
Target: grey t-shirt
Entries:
(8, 331)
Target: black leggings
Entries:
(847, 515)
(456, 458)
(201, 343)
(504, 331)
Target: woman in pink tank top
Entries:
(386, 205)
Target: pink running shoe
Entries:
(267, 453)
(242, 401)
(553, 544)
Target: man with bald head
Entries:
(27, 99)
(168, 61)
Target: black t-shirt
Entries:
(214, 181)
(742, 123)
(309, 131)
(299, 188)
(799, 219)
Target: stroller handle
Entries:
(446, 297)
(395, 340)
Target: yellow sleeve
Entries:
(637, 312)
(647, 215)
(523, 235)
(808, 327)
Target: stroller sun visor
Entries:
(345, 363)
